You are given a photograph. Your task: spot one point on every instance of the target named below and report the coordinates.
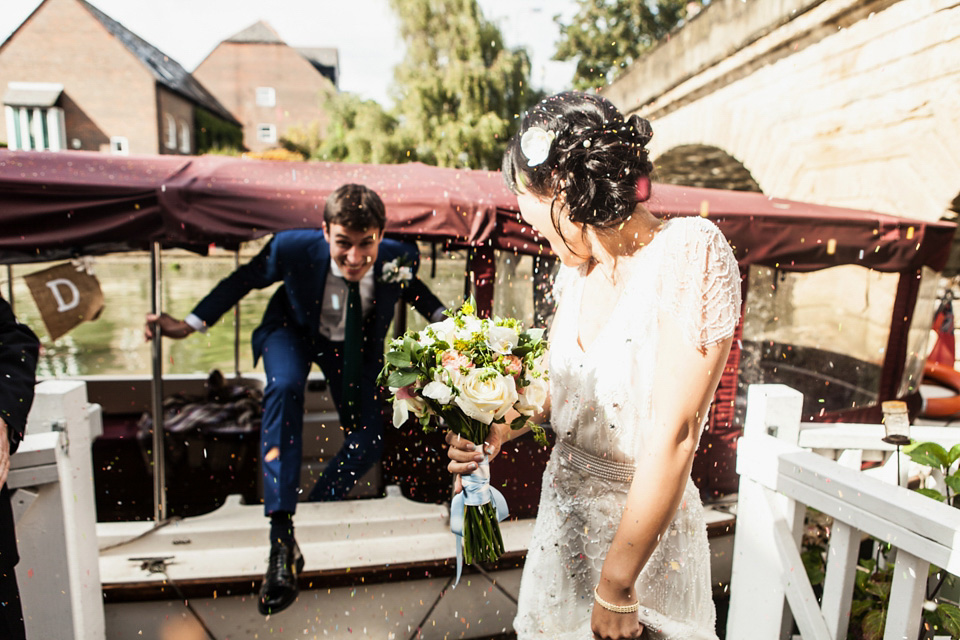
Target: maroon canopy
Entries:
(794, 236)
(61, 204)
(56, 205)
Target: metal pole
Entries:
(10, 287)
(236, 325)
(159, 468)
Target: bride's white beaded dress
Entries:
(602, 407)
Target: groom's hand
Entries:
(465, 456)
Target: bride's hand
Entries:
(464, 455)
(608, 625)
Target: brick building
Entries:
(71, 77)
(268, 85)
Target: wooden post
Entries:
(775, 410)
(758, 599)
(839, 580)
(906, 597)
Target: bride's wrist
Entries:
(618, 590)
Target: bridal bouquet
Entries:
(470, 372)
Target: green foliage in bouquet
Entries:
(471, 373)
(446, 353)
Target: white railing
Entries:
(779, 479)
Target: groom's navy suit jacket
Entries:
(301, 259)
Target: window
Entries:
(267, 132)
(185, 142)
(39, 128)
(119, 145)
(170, 140)
(266, 97)
(33, 119)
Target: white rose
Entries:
(471, 325)
(445, 330)
(535, 144)
(485, 395)
(405, 273)
(438, 391)
(502, 340)
(534, 396)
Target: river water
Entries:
(113, 344)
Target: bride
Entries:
(645, 319)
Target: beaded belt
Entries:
(594, 465)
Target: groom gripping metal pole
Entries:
(333, 309)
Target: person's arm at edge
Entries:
(19, 349)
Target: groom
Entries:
(334, 308)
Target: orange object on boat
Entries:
(948, 377)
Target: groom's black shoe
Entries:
(279, 588)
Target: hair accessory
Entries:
(643, 189)
(616, 608)
(535, 145)
(586, 143)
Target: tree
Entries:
(607, 35)
(459, 91)
(357, 131)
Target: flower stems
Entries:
(482, 541)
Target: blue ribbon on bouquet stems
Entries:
(476, 492)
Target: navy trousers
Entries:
(287, 358)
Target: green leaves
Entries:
(953, 481)
(930, 454)
(932, 493)
(401, 378)
(949, 618)
(605, 36)
(873, 624)
(399, 359)
(459, 87)
(814, 565)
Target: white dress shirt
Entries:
(333, 313)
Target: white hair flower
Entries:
(535, 145)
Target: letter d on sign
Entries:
(65, 297)
(63, 305)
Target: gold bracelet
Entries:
(616, 608)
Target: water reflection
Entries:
(114, 344)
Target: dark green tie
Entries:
(352, 355)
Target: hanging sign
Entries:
(66, 295)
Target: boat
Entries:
(382, 564)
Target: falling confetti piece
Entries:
(272, 455)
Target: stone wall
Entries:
(846, 103)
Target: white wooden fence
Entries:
(779, 479)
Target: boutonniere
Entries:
(397, 271)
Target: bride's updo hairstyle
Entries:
(576, 148)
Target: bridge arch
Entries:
(700, 165)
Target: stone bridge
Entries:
(842, 102)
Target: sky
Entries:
(364, 31)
